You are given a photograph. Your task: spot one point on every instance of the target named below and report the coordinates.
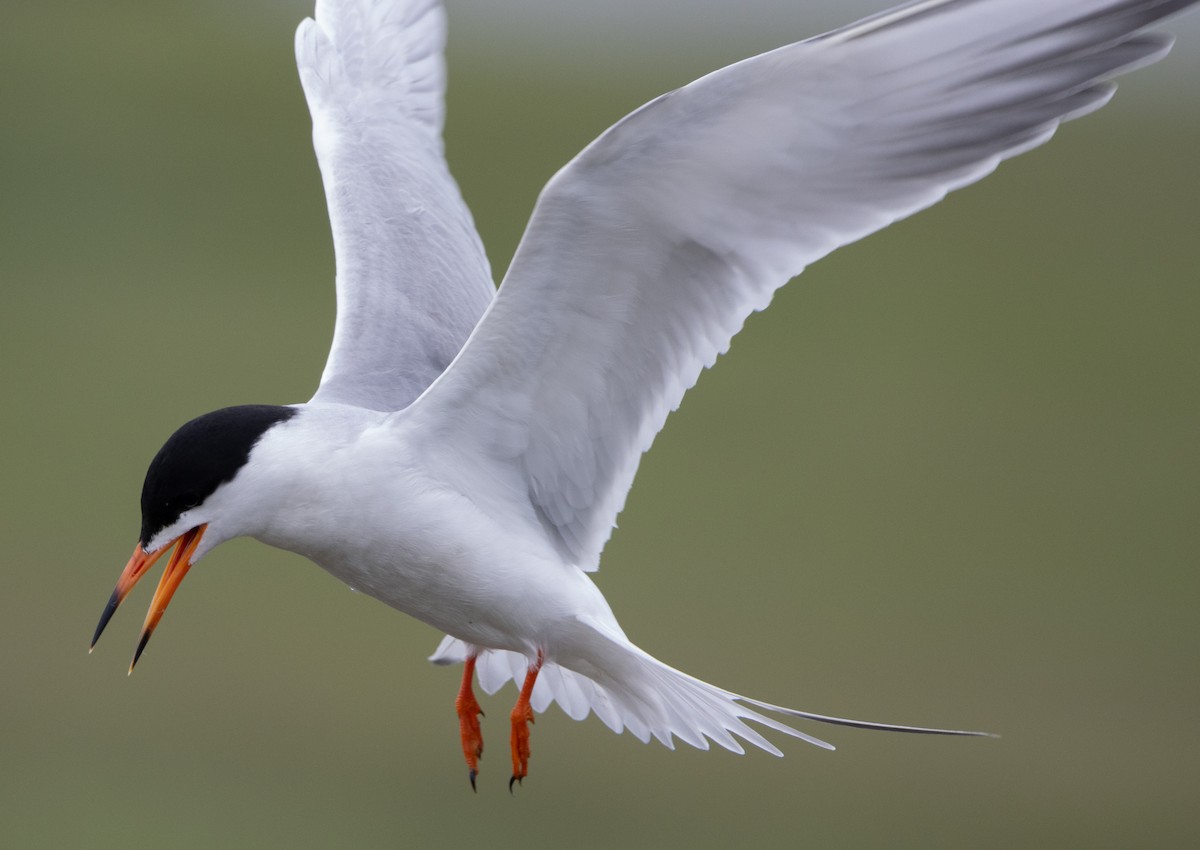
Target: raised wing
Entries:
(648, 251)
(412, 276)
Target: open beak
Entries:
(177, 567)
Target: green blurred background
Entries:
(949, 478)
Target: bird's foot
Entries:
(469, 712)
(522, 716)
(472, 736)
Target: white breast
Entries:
(342, 487)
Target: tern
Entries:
(467, 450)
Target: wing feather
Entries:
(412, 276)
(646, 253)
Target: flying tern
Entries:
(467, 450)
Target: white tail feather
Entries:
(651, 699)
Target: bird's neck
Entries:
(305, 475)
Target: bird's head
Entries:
(190, 501)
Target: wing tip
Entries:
(315, 58)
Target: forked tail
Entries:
(629, 689)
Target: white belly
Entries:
(369, 510)
(470, 577)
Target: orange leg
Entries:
(522, 716)
(469, 713)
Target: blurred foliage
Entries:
(950, 477)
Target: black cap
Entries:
(200, 457)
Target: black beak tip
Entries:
(140, 647)
(109, 610)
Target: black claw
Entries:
(472, 774)
(510, 784)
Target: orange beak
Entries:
(141, 561)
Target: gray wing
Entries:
(412, 276)
(647, 252)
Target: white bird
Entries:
(467, 452)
